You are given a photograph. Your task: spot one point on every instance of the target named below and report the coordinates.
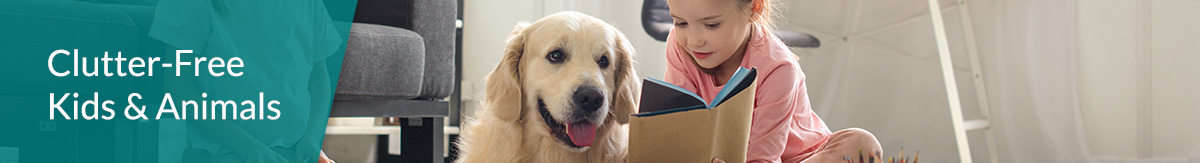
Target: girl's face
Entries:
(711, 31)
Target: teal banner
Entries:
(168, 80)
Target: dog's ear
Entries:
(629, 86)
(503, 92)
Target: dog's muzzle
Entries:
(581, 130)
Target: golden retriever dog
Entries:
(562, 93)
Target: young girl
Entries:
(712, 38)
(284, 44)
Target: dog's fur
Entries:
(509, 126)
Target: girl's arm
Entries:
(224, 132)
(775, 104)
(319, 91)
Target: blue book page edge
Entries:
(669, 111)
(730, 85)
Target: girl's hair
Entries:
(761, 11)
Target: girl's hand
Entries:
(324, 159)
(260, 154)
(320, 156)
(717, 160)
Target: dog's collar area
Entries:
(559, 130)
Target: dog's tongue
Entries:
(582, 133)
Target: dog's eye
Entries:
(555, 56)
(603, 62)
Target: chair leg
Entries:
(421, 141)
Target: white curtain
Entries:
(1030, 55)
(890, 84)
(1194, 157)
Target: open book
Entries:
(676, 125)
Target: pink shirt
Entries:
(783, 125)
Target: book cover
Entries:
(676, 125)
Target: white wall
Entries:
(1107, 79)
(1147, 49)
(1175, 49)
(485, 25)
(488, 22)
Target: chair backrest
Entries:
(656, 19)
(395, 13)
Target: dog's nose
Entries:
(588, 98)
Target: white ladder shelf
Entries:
(962, 126)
